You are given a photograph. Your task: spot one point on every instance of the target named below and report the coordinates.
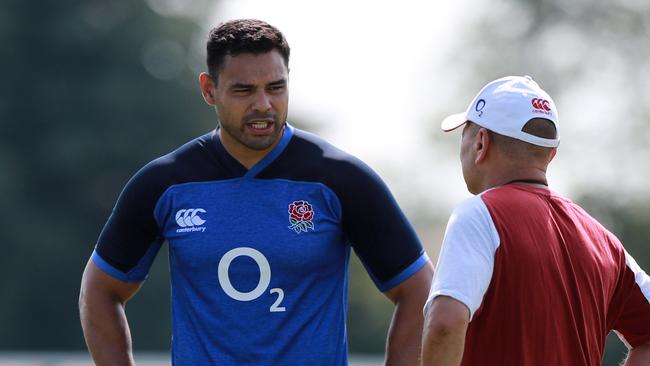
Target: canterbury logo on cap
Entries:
(541, 104)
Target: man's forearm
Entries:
(106, 330)
(639, 356)
(444, 332)
(405, 334)
(443, 347)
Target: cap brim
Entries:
(454, 121)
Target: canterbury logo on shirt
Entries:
(189, 220)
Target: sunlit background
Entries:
(92, 90)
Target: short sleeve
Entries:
(466, 261)
(130, 238)
(633, 323)
(378, 230)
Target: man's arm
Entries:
(639, 356)
(444, 332)
(405, 333)
(104, 323)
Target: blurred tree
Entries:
(92, 90)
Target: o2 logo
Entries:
(262, 285)
(479, 107)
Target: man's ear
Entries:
(207, 88)
(482, 145)
(552, 154)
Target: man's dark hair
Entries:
(239, 36)
(540, 127)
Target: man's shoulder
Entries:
(310, 157)
(316, 147)
(526, 196)
(188, 163)
(514, 201)
(470, 205)
(193, 156)
(190, 153)
(470, 210)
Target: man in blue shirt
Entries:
(259, 218)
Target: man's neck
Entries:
(530, 176)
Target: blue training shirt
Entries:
(259, 257)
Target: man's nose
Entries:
(262, 102)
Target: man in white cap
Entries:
(525, 276)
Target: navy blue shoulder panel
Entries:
(132, 228)
(372, 220)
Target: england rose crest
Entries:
(301, 215)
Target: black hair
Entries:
(239, 36)
(541, 127)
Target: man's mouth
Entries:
(260, 125)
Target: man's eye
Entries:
(241, 90)
(277, 87)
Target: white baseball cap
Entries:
(505, 105)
